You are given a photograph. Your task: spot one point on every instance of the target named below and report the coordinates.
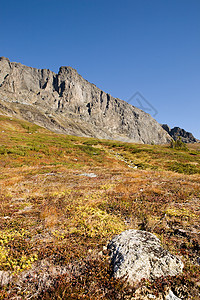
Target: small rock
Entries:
(18, 199)
(171, 296)
(198, 283)
(151, 296)
(91, 175)
(27, 208)
(50, 174)
(5, 277)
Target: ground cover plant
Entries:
(62, 198)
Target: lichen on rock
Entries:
(137, 254)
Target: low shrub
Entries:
(178, 144)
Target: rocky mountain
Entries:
(67, 103)
(186, 137)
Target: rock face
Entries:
(186, 137)
(67, 103)
(138, 254)
(166, 127)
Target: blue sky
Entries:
(150, 46)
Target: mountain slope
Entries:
(67, 103)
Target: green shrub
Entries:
(91, 142)
(178, 144)
(184, 168)
(90, 150)
(3, 150)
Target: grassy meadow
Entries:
(56, 218)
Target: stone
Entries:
(171, 296)
(137, 254)
(151, 296)
(91, 175)
(5, 277)
(67, 103)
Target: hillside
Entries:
(67, 103)
(62, 198)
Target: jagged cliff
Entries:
(176, 132)
(67, 103)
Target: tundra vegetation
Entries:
(52, 213)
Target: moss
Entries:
(185, 168)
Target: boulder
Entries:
(137, 254)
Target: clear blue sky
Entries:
(150, 46)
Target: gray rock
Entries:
(151, 296)
(91, 175)
(5, 277)
(171, 296)
(67, 103)
(138, 254)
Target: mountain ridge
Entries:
(67, 103)
(176, 132)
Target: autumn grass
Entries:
(53, 214)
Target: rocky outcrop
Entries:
(138, 254)
(67, 103)
(176, 132)
(166, 128)
(187, 137)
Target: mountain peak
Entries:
(67, 103)
(4, 58)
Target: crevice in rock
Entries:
(89, 108)
(108, 101)
(55, 83)
(61, 88)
